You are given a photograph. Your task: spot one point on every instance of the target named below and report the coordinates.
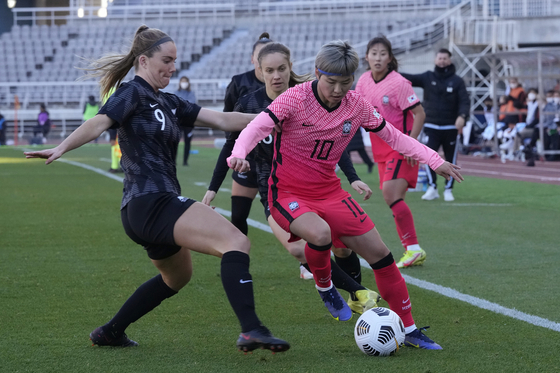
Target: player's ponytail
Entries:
(337, 58)
(263, 39)
(282, 49)
(393, 64)
(113, 68)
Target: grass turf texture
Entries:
(66, 266)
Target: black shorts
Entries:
(149, 221)
(247, 179)
(112, 134)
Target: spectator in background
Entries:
(186, 94)
(516, 98)
(43, 126)
(532, 119)
(357, 145)
(446, 104)
(2, 130)
(90, 109)
(550, 121)
(507, 137)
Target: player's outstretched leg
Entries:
(238, 284)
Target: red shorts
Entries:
(397, 168)
(342, 213)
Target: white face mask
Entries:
(550, 100)
(532, 96)
(513, 85)
(184, 85)
(556, 100)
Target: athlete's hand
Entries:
(209, 197)
(448, 170)
(238, 164)
(361, 187)
(411, 161)
(50, 155)
(459, 124)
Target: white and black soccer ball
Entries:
(379, 332)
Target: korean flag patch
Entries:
(346, 127)
(412, 98)
(376, 114)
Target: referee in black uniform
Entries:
(446, 104)
(153, 212)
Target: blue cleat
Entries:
(335, 304)
(420, 340)
(261, 337)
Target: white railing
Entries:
(524, 8)
(336, 7)
(69, 15)
(500, 34)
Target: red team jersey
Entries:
(393, 97)
(313, 138)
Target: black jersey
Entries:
(148, 124)
(239, 86)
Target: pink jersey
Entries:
(313, 138)
(393, 97)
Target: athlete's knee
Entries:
(319, 236)
(297, 250)
(341, 252)
(238, 242)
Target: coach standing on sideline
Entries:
(446, 104)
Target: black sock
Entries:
(240, 209)
(147, 297)
(341, 280)
(238, 284)
(351, 265)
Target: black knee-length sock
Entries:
(238, 284)
(351, 265)
(240, 209)
(340, 279)
(147, 297)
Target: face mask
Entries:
(513, 85)
(550, 100)
(532, 96)
(556, 100)
(184, 85)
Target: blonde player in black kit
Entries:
(153, 212)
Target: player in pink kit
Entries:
(393, 96)
(315, 122)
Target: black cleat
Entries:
(261, 337)
(100, 338)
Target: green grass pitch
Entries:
(66, 266)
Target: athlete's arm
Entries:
(345, 164)
(412, 148)
(417, 125)
(88, 131)
(417, 80)
(223, 121)
(258, 129)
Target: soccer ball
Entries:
(379, 332)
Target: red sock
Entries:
(405, 223)
(393, 289)
(319, 261)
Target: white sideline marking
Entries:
(445, 291)
(480, 204)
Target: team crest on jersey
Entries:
(293, 205)
(411, 99)
(346, 127)
(385, 100)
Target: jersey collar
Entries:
(138, 79)
(316, 93)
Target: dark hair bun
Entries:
(264, 35)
